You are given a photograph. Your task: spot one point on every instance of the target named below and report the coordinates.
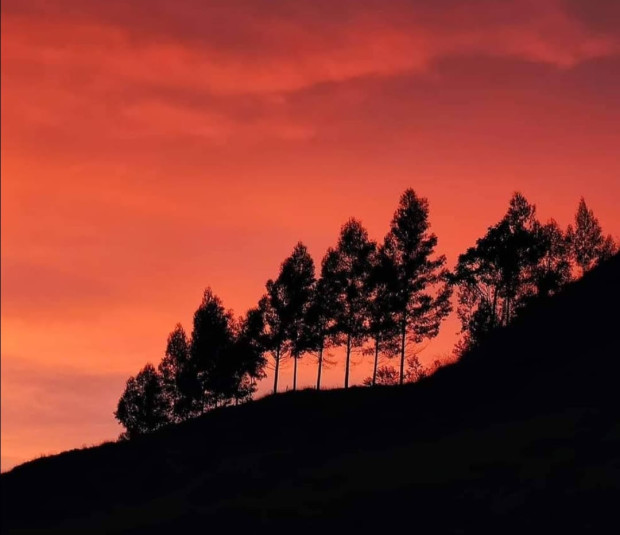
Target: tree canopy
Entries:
(380, 299)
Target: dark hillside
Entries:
(523, 434)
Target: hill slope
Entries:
(522, 435)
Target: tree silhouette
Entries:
(180, 381)
(271, 306)
(553, 269)
(296, 280)
(143, 406)
(392, 295)
(382, 326)
(346, 273)
(415, 369)
(384, 375)
(212, 337)
(503, 270)
(319, 322)
(283, 309)
(588, 245)
(418, 285)
(246, 361)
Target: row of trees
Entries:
(519, 259)
(380, 298)
(220, 363)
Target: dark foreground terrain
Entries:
(522, 436)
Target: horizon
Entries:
(148, 156)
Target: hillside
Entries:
(524, 434)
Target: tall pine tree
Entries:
(319, 319)
(212, 337)
(297, 280)
(420, 293)
(346, 277)
(382, 325)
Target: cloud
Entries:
(221, 72)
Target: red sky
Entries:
(152, 148)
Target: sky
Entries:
(153, 148)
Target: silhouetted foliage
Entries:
(346, 271)
(143, 407)
(518, 260)
(394, 295)
(382, 326)
(319, 321)
(522, 437)
(246, 360)
(416, 370)
(180, 381)
(588, 244)
(212, 337)
(274, 336)
(417, 282)
(553, 269)
(382, 376)
(498, 274)
(297, 279)
(284, 307)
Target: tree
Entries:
(143, 407)
(319, 320)
(345, 275)
(588, 245)
(297, 281)
(179, 379)
(553, 269)
(418, 285)
(246, 361)
(284, 306)
(517, 260)
(490, 275)
(271, 306)
(212, 337)
(382, 325)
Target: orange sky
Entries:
(152, 148)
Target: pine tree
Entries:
(382, 325)
(346, 277)
(319, 319)
(212, 337)
(297, 281)
(420, 294)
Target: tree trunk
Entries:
(346, 372)
(295, 373)
(275, 379)
(374, 371)
(403, 335)
(318, 378)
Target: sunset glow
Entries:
(152, 148)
